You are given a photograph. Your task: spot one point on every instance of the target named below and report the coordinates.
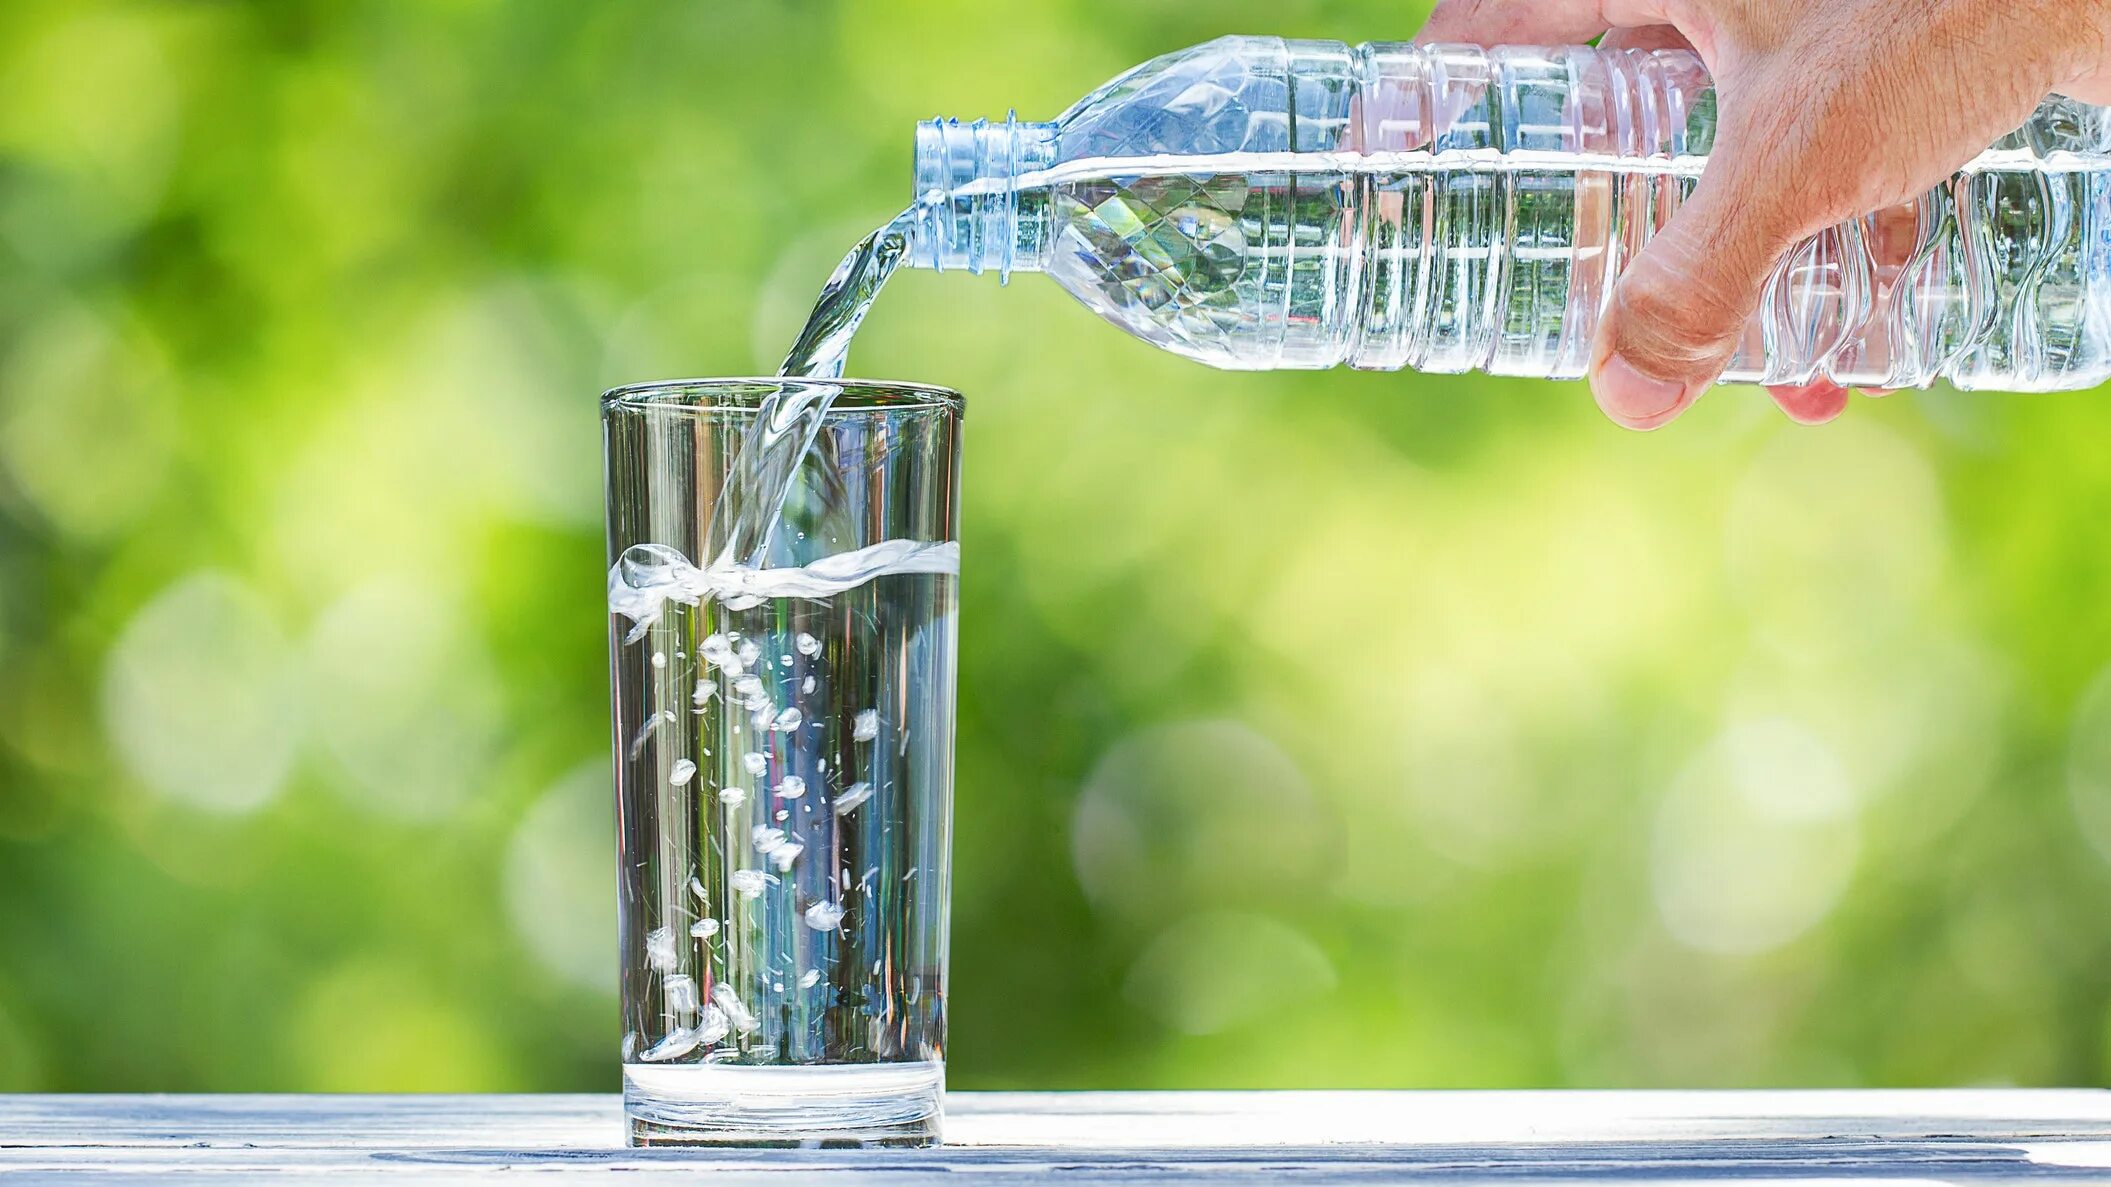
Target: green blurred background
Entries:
(1317, 730)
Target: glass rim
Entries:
(745, 394)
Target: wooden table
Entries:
(1154, 1138)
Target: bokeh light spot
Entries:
(1894, 717)
(198, 696)
(1217, 971)
(560, 868)
(1755, 841)
(516, 361)
(21, 1067)
(407, 703)
(90, 116)
(86, 427)
(1196, 815)
(2089, 764)
(376, 1026)
(1468, 789)
(1834, 539)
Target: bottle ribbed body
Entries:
(1257, 203)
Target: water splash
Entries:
(819, 351)
(649, 576)
(789, 418)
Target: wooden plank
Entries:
(293, 1122)
(1024, 1138)
(1502, 1118)
(1940, 1163)
(1132, 1120)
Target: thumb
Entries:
(1680, 307)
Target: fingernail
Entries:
(1629, 396)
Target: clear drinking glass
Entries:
(784, 767)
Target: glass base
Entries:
(812, 1105)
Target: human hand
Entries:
(1826, 110)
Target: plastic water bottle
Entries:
(1257, 203)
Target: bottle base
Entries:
(812, 1105)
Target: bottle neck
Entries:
(972, 214)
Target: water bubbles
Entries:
(696, 887)
(824, 915)
(647, 577)
(791, 787)
(767, 839)
(784, 855)
(732, 797)
(680, 992)
(783, 815)
(705, 690)
(659, 949)
(853, 795)
(681, 772)
(787, 721)
(736, 1011)
(712, 1026)
(679, 1042)
(809, 978)
(750, 883)
(717, 652)
(659, 659)
(646, 566)
(749, 687)
(807, 644)
(651, 726)
(867, 726)
(806, 686)
(748, 652)
(755, 763)
(704, 929)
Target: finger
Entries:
(1681, 305)
(2093, 88)
(1811, 403)
(1647, 37)
(1892, 234)
(1535, 22)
